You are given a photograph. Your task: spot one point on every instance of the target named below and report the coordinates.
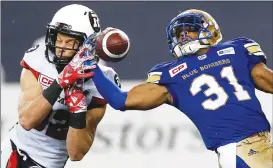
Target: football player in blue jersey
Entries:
(214, 84)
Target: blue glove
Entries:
(90, 44)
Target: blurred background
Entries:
(157, 138)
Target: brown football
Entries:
(112, 45)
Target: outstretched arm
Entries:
(142, 97)
(147, 96)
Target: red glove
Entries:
(76, 101)
(75, 69)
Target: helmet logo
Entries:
(94, 21)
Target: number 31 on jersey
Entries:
(215, 88)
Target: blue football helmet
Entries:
(208, 32)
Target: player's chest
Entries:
(188, 69)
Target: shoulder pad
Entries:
(161, 66)
(111, 74)
(34, 59)
(242, 40)
(32, 48)
(35, 54)
(97, 100)
(157, 73)
(249, 45)
(252, 50)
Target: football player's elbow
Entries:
(265, 83)
(263, 78)
(270, 88)
(76, 155)
(270, 82)
(25, 123)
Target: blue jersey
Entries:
(216, 91)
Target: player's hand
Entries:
(75, 99)
(75, 69)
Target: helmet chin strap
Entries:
(189, 48)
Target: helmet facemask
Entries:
(76, 21)
(189, 22)
(50, 41)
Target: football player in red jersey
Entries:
(57, 117)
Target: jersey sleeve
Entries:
(113, 76)
(160, 74)
(30, 62)
(253, 52)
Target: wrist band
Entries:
(52, 93)
(77, 120)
